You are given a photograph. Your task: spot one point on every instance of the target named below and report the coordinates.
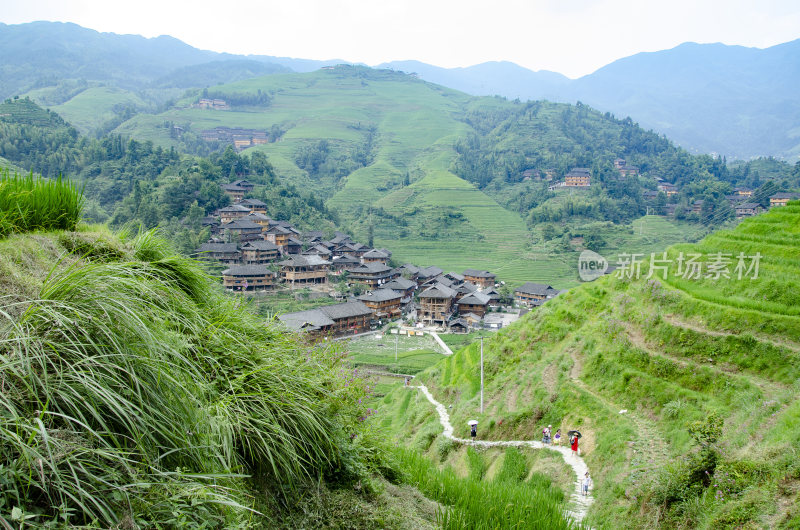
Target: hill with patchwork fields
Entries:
(683, 380)
(388, 151)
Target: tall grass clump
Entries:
(483, 504)
(28, 203)
(133, 391)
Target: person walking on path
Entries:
(473, 431)
(574, 445)
(587, 482)
(557, 437)
(546, 435)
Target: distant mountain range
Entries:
(736, 101)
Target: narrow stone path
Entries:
(580, 503)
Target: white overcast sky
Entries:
(573, 37)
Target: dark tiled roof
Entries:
(371, 268)
(537, 289)
(785, 196)
(748, 206)
(304, 261)
(467, 287)
(311, 319)
(430, 272)
(218, 247)
(235, 208)
(381, 295)
(479, 274)
(400, 284)
(241, 224)
(248, 270)
(475, 299)
(438, 291)
(252, 202)
(346, 310)
(376, 254)
(346, 259)
(259, 245)
(256, 215)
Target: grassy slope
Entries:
(670, 352)
(93, 107)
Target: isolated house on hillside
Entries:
(747, 209)
(578, 177)
(782, 199)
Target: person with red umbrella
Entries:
(573, 441)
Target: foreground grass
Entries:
(135, 393)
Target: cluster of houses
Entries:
(457, 302)
(262, 253)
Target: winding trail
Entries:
(580, 504)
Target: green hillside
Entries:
(686, 390)
(94, 107)
(385, 149)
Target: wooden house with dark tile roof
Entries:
(227, 253)
(436, 305)
(259, 219)
(304, 270)
(534, 294)
(248, 278)
(259, 252)
(386, 303)
(404, 286)
(243, 229)
(293, 246)
(335, 320)
(480, 278)
(375, 256)
(476, 303)
(278, 235)
(747, 209)
(340, 264)
(255, 205)
(459, 325)
(783, 198)
(231, 213)
(373, 275)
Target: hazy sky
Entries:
(574, 37)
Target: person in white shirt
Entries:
(587, 482)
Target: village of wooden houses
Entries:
(265, 255)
